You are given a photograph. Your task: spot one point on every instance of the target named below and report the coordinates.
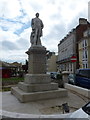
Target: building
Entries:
(89, 11)
(51, 62)
(8, 70)
(68, 47)
(84, 50)
(25, 67)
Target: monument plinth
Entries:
(37, 60)
(37, 84)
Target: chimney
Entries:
(82, 21)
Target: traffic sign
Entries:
(73, 59)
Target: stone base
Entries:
(34, 96)
(37, 79)
(37, 87)
(37, 83)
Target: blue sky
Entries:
(58, 16)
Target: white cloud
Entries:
(26, 34)
(8, 35)
(12, 56)
(58, 16)
(9, 8)
(11, 26)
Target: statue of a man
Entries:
(37, 26)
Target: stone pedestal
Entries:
(37, 60)
(37, 84)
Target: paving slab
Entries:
(11, 104)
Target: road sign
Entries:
(73, 59)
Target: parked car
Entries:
(83, 112)
(53, 75)
(83, 78)
(71, 78)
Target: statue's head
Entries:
(37, 15)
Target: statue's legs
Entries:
(37, 40)
(35, 37)
(38, 37)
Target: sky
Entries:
(59, 18)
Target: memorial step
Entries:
(34, 96)
(37, 87)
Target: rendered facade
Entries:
(68, 47)
(84, 50)
(51, 62)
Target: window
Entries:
(83, 65)
(85, 73)
(85, 53)
(86, 65)
(85, 43)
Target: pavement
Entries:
(44, 107)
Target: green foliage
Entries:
(6, 89)
(11, 81)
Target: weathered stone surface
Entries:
(37, 84)
(82, 91)
(37, 60)
(37, 78)
(37, 87)
(34, 96)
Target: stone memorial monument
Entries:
(37, 84)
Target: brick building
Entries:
(68, 47)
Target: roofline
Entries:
(74, 29)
